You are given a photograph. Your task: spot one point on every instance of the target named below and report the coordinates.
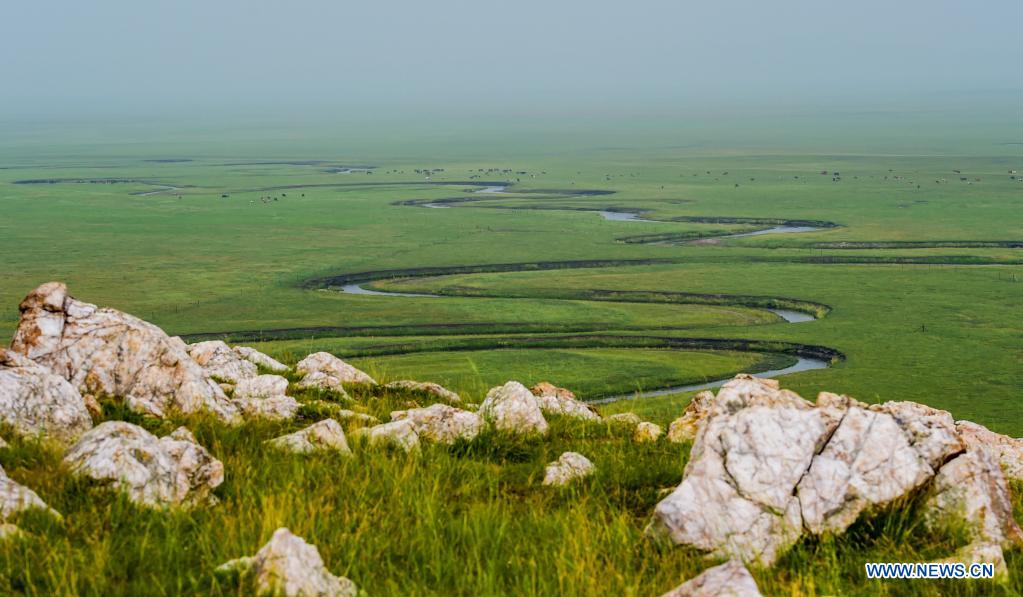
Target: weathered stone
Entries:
(36, 402)
(730, 579)
(107, 352)
(397, 434)
(257, 358)
(318, 380)
(559, 401)
(441, 423)
(261, 386)
(331, 366)
(684, 428)
(289, 566)
(218, 360)
(981, 553)
(514, 409)
(169, 471)
(567, 468)
(972, 489)
(1008, 450)
(274, 408)
(930, 431)
(625, 419)
(647, 432)
(15, 498)
(327, 435)
(425, 387)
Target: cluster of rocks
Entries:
(768, 467)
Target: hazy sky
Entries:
(70, 56)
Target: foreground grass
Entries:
(469, 519)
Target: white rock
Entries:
(513, 408)
(36, 402)
(327, 435)
(261, 386)
(257, 358)
(559, 401)
(318, 380)
(441, 423)
(331, 366)
(274, 408)
(730, 579)
(567, 468)
(289, 566)
(16, 498)
(625, 419)
(218, 360)
(647, 432)
(425, 387)
(981, 553)
(169, 471)
(684, 428)
(1008, 450)
(398, 434)
(107, 352)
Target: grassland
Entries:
(917, 286)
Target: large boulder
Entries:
(218, 360)
(567, 468)
(325, 436)
(425, 387)
(289, 566)
(159, 472)
(106, 352)
(1008, 450)
(15, 498)
(767, 466)
(730, 579)
(441, 423)
(324, 370)
(684, 428)
(36, 402)
(559, 401)
(257, 358)
(514, 409)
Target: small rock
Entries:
(559, 401)
(36, 402)
(15, 498)
(318, 380)
(625, 419)
(257, 358)
(218, 360)
(546, 388)
(289, 566)
(275, 408)
(567, 468)
(730, 579)
(397, 434)
(1008, 450)
(441, 423)
(327, 435)
(684, 428)
(331, 366)
(514, 409)
(647, 432)
(427, 388)
(169, 471)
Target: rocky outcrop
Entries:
(767, 466)
(325, 436)
(325, 371)
(1008, 450)
(567, 468)
(441, 423)
(107, 352)
(36, 402)
(513, 409)
(425, 387)
(396, 434)
(730, 579)
(15, 498)
(159, 472)
(218, 360)
(261, 360)
(559, 401)
(684, 428)
(289, 566)
(647, 432)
